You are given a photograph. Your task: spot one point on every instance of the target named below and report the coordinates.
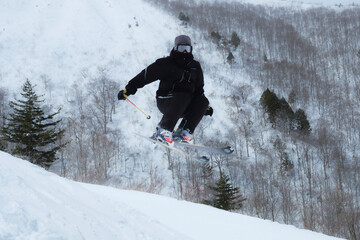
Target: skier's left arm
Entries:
(200, 91)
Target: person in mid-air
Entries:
(180, 93)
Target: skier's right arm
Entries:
(150, 74)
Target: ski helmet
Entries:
(182, 43)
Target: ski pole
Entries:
(147, 116)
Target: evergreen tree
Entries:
(301, 121)
(265, 58)
(292, 97)
(285, 115)
(285, 163)
(235, 40)
(33, 133)
(230, 58)
(216, 37)
(226, 196)
(3, 113)
(281, 114)
(185, 19)
(271, 104)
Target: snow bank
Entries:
(36, 204)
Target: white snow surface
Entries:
(36, 204)
(60, 39)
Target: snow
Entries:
(296, 3)
(70, 42)
(57, 38)
(36, 204)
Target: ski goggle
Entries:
(183, 48)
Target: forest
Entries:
(311, 58)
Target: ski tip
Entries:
(204, 159)
(228, 150)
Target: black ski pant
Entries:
(182, 105)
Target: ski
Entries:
(216, 150)
(202, 159)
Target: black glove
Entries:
(209, 111)
(122, 95)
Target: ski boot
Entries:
(164, 136)
(183, 136)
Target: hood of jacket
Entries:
(181, 59)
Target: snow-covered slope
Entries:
(62, 45)
(36, 204)
(59, 38)
(297, 3)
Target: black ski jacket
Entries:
(178, 72)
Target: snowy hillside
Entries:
(35, 204)
(66, 47)
(300, 3)
(61, 38)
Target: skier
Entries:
(180, 93)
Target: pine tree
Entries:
(226, 196)
(271, 104)
(185, 19)
(33, 133)
(265, 58)
(285, 163)
(235, 40)
(3, 114)
(285, 115)
(302, 123)
(281, 114)
(230, 58)
(292, 97)
(216, 37)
